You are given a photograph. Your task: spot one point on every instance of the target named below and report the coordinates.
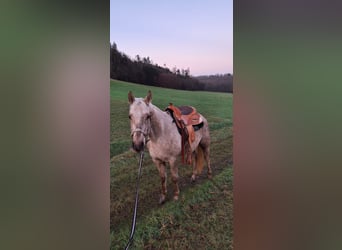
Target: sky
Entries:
(195, 34)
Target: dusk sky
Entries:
(195, 34)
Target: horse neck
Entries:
(161, 123)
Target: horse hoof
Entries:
(193, 178)
(175, 198)
(162, 199)
(210, 176)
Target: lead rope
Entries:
(136, 202)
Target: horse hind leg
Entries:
(194, 166)
(198, 162)
(206, 151)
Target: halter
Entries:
(146, 134)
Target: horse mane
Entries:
(157, 115)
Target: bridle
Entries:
(145, 133)
(146, 137)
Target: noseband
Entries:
(146, 134)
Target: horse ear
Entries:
(148, 98)
(130, 97)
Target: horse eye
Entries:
(130, 117)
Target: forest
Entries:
(142, 70)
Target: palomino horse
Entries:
(155, 128)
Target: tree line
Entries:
(142, 70)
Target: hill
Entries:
(142, 70)
(202, 218)
(222, 83)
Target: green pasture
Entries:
(202, 218)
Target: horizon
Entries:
(200, 38)
(153, 63)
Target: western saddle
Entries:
(188, 120)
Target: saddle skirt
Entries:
(188, 120)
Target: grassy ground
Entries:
(202, 218)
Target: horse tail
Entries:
(199, 160)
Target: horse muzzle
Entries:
(138, 141)
(138, 147)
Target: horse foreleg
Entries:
(162, 173)
(174, 176)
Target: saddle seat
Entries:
(188, 120)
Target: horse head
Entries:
(140, 119)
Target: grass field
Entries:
(202, 218)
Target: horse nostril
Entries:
(138, 147)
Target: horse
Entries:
(155, 129)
